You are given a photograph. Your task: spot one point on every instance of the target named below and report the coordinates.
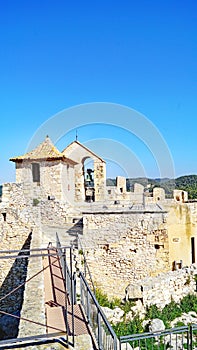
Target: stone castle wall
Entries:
(164, 288)
(33, 306)
(54, 212)
(56, 179)
(18, 222)
(182, 230)
(123, 248)
(14, 236)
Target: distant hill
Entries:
(186, 183)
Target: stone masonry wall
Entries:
(15, 235)
(33, 307)
(18, 221)
(161, 290)
(122, 248)
(182, 229)
(54, 212)
(99, 179)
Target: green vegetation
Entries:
(127, 328)
(80, 251)
(189, 303)
(186, 183)
(169, 313)
(103, 300)
(35, 202)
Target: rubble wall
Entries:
(123, 248)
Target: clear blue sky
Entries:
(57, 54)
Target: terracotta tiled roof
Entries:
(46, 150)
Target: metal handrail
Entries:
(105, 336)
(86, 267)
(69, 280)
(40, 339)
(160, 336)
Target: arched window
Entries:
(88, 170)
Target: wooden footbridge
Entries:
(65, 318)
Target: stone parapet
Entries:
(33, 307)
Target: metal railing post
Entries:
(74, 288)
(86, 267)
(88, 307)
(190, 333)
(103, 331)
(72, 299)
(52, 280)
(99, 331)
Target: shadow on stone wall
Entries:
(74, 231)
(13, 302)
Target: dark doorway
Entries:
(193, 249)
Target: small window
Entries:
(68, 171)
(36, 172)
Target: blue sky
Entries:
(140, 54)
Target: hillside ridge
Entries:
(186, 183)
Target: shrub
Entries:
(189, 303)
(167, 314)
(153, 312)
(35, 202)
(132, 327)
(126, 307)
(103, 300)
(170, 312)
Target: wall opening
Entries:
(36, 172)
(193, 249)
(4, 216)
(88, 170)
